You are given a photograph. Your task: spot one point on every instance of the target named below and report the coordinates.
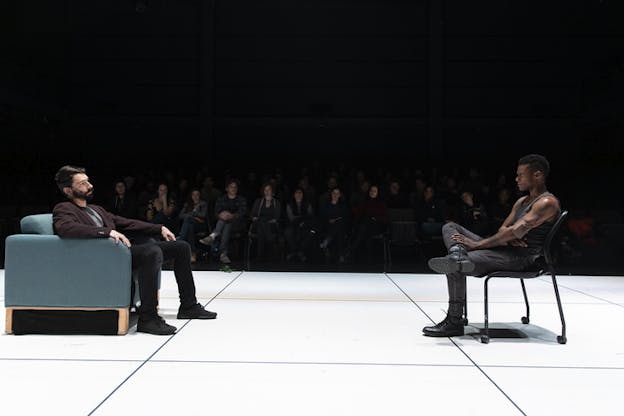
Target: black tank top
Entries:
(536, 236)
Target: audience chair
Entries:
(403, 232)
(544, 265)
(252, 237)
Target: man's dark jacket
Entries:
(72, 221)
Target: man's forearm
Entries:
(501, 238)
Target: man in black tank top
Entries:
(515, 246)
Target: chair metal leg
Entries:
(485, 338)
(525, 319)
(385, 254)
(561, 339)
(465, 320)
(248, 255)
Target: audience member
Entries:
(301, 225)
(370, 220)
(123, 203)
(193, 216)
(230, 210)
(265, 215)
(395, 198)
(334, 216)
(430, 213)
(161, 210)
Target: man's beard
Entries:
(87, 196)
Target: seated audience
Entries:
(230, 210)
(430, 213)
(472, 215)
(193, 216)
(301, 225)
(161, 210)
(395, 198)
(370, 220)
(334, 217)
(124, 203)
(265, 215)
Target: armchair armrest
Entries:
(48, 271)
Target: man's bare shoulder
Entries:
(548, 203)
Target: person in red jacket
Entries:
(370, 220)
(77, 218)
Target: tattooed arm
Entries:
(543, 210)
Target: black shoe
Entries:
(196, 312)
(450, 264)
(449, 327)
(155, 326)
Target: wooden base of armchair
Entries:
(123, 320)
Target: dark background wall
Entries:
(126, 84)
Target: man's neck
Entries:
(82, 203)
(537, 191)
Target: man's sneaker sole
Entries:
(447, 265)
(454, 333)
(165, 329)
(212, 315)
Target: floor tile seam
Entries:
(554, 367)
(314, 300)
(544, 280)
(475, 365)
(377, 364)
(166, 341)
(80, 360)
(520, 302)
(310, 363)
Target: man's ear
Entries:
(67, 191)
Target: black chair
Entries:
(544, 265)
(252, 236)
(384, 238)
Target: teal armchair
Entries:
(70, 279)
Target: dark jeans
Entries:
(298, 236)
(486, 261)
(225, 229)
(266, 235)
(189, 228)
(335, 236)
(148, 258)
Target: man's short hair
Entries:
(65, 175)
(536, 162)
(231, 181)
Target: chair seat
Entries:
(515, 274)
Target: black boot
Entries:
(456, 261)
(449, 327)
(452, 325)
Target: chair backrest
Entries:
(37, 224)
(400, 214)
(548, 257)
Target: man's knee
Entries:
(181, 246)
(449, 227)
(153, 253)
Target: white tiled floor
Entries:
(333, 344)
